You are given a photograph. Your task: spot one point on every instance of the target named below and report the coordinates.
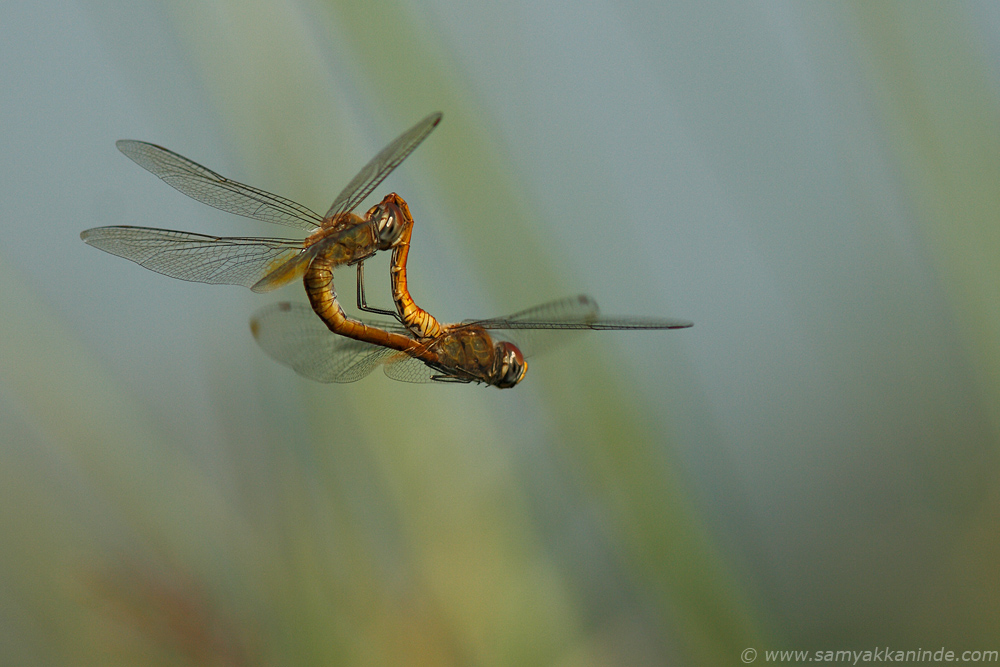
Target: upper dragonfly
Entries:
(263, 264)
(482, 351)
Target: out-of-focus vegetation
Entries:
(812, 466)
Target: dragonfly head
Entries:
(510, 366)
(391, 217)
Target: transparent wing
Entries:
(366, 364)
(540, 328)
(381, 166)
(208, 187)
(293, 335)
(575, 313)
(286, 272)
(405, 368)
(196, 257)
(579, 308)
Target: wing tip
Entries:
(96, 235)
(128, 146)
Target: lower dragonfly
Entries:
(339, 238)
(474, 351)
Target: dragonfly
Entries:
(338, 238)
(486, 351)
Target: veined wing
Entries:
(538, 329)
(210, 188)
(381, 166)
(197, 257)
(293, 335)
(405, 368)
(575, 313)
(286, 272)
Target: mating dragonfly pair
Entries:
(321, 341)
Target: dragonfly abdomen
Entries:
(414, 318)
(323, 299)
(348, 246)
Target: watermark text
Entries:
(880, 654)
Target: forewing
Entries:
(293, 335)
(208, 187)
(540, 328)
(381, 166)
(581, 309)
(576, 313)
(195, 257)
(535, 340)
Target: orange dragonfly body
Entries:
(476, 351)
(263, 264)
(415, 348)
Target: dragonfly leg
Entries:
(452, 378)
(362, 304)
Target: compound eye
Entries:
(512, 366)
(389, 229)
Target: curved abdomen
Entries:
(351, 246)
(415, 318)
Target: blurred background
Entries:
(813, 466)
